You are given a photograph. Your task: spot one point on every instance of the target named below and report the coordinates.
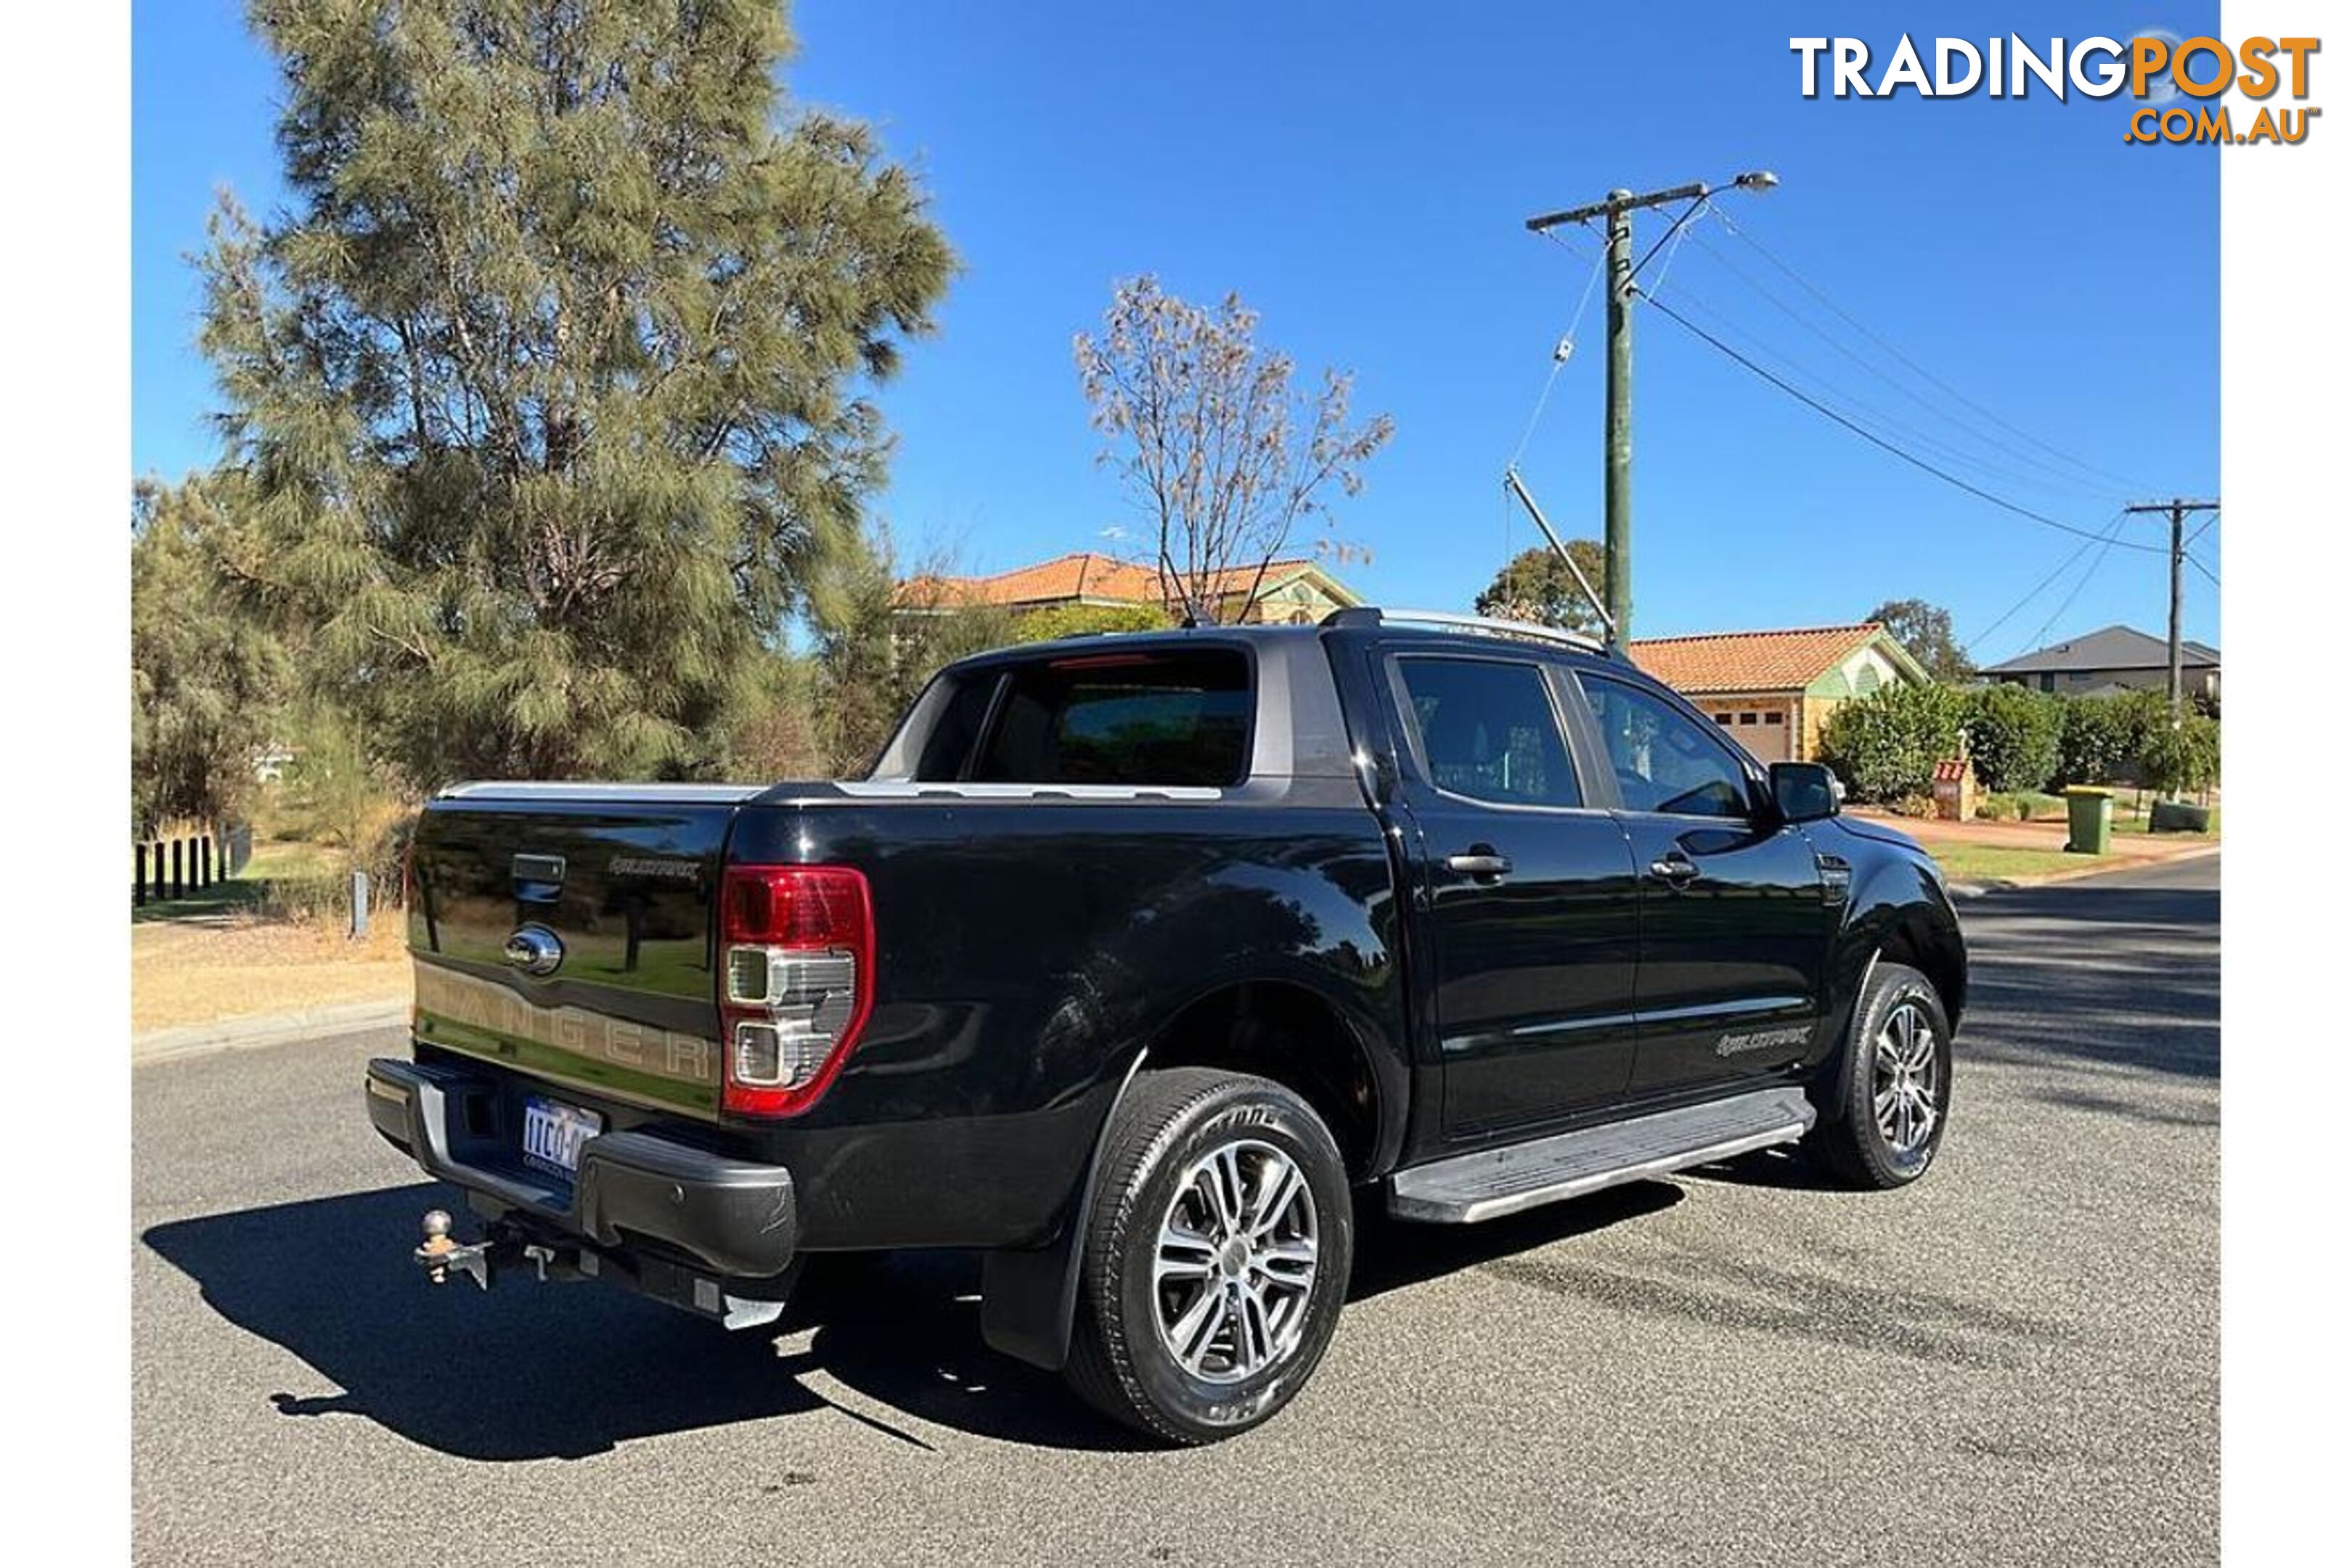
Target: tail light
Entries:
(795, 982)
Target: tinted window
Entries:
(1664, 761)
(956, 728)
(1488, 730)
(1123, 719)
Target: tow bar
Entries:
(504, 1244)
(441, 1254)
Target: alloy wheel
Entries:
(1234, 1270)
(1906, 1081)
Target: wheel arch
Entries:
(1295, 1035)
(1910, 923)
(1914, 936)
(1280, 1028)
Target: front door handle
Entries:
(1480, 862)
(1676, 867)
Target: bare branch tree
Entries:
(1205, 429)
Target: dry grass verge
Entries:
(205, 970)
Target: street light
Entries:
(1617, 209)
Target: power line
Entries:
(2033, 593)
(2089, 572)
(1873, 438)
(1913, 366)
(2202, 567)
(1861, 409)
(2060, 478)
(2200, 530)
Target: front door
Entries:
(1530, 893)
(1734, 924)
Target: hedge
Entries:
(2013, 736)
(2183, 757)
(1885, 746)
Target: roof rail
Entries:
(1452, 620)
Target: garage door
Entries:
(1763, 728)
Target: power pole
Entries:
(2178, 511)
(1616, 210)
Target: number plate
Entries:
(552, 1133)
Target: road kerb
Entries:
(266, 1029)
(2104, 866)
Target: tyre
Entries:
(1885, 1128)
(1216, 1256)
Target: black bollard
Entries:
(178, 885)
(139, 884)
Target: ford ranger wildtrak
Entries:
(1133, 963)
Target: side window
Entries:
(1488, 730)
(1663, 761)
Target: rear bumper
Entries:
(733, 1216)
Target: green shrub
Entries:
(2181, 758)
(1885, 746)
(2091, 741)
(2101, 739)
(2013, 735)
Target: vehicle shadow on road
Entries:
(2101, 904)
(528, 1371)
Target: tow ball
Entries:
(442, 1255)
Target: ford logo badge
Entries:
(535, 949)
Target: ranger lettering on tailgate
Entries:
(450, 1006)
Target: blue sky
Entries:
(1361, 173)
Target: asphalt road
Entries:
(2013, 1361)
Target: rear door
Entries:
(1529, 892)
(1734, 932)
(565, 930)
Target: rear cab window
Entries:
(1175, 717)
(1486, 729)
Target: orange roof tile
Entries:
(1749, 661)
(1083, 575)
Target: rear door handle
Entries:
(1676, 867)
(1480, 862)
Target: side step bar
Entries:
(1468, 1188)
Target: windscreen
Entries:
(1139, 719)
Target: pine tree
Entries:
(554, 380)
(207, 683)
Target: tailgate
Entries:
(565, 930)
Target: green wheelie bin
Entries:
(2090, 819)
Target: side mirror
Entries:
(1805, 792)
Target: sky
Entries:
(1360, 173)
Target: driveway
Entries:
(2013, 1361)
